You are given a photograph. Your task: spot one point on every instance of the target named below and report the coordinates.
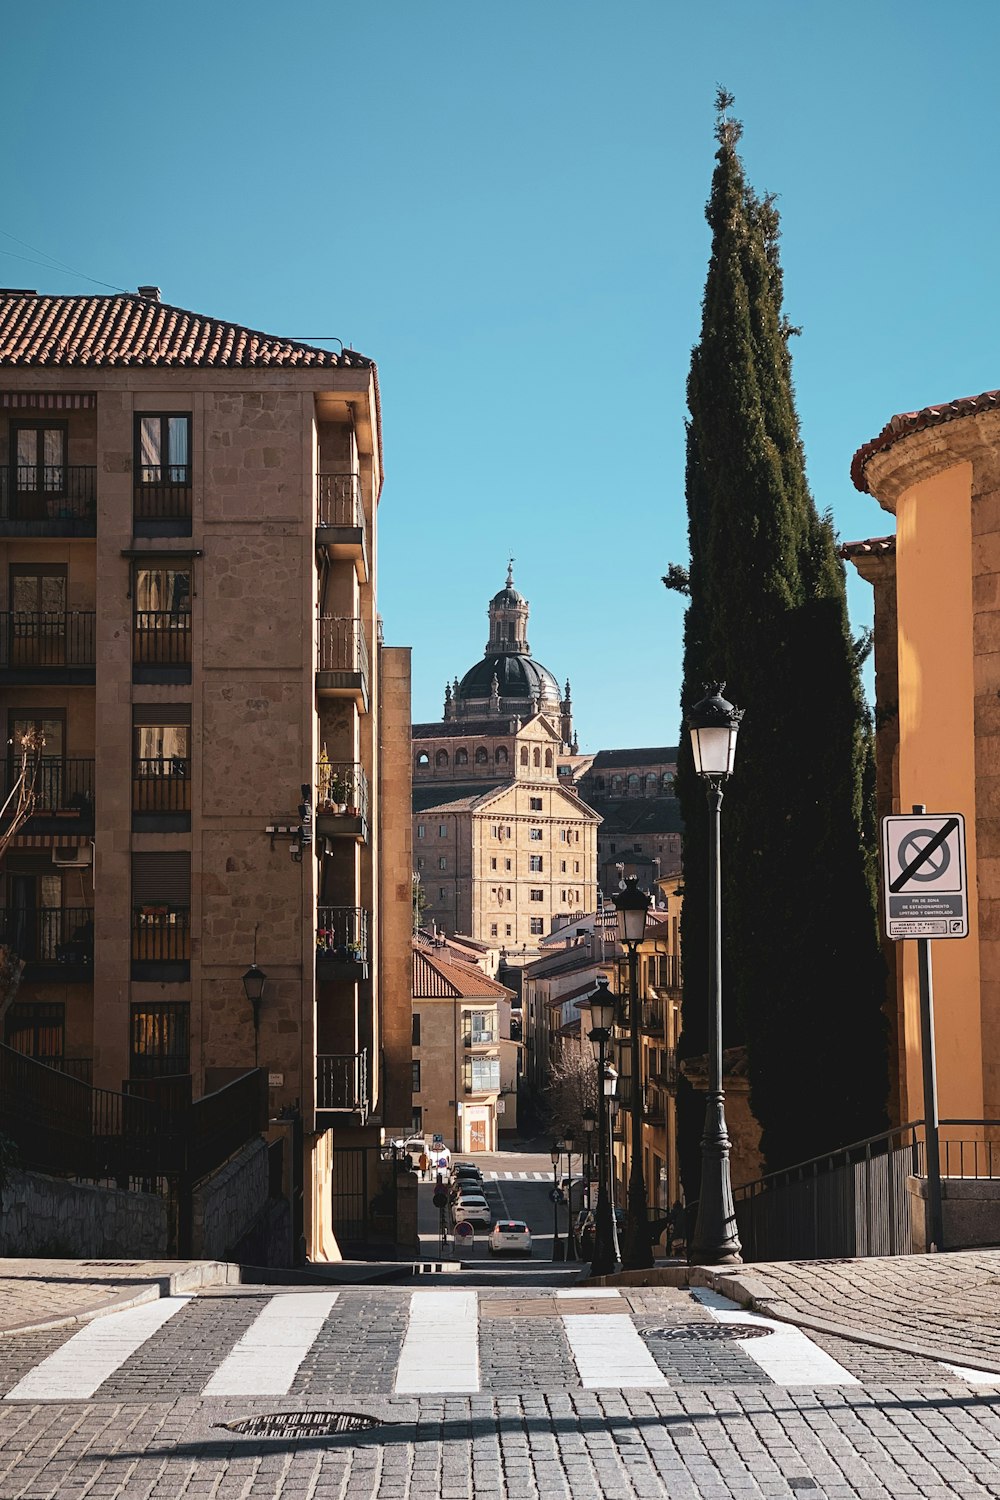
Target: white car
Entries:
(472, 1211)
(510, 1235)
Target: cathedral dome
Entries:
(518, 676)
(508, 598)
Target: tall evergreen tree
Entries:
(767, 613)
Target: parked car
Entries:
(510, 1235)
(584, 1230)
(472, 1211)
(470, 1195)
(466, 1169)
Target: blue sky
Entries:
(504, 206)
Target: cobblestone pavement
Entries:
(46, 1291)
(944, 1305)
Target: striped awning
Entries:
(49, 840)
(49, 400)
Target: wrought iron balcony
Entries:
(161, 941)
(161, 500)
(161, 642)
(47, 646)
(668, 973)
(652, 1017)
(342, 1082)
(56, 943)
(342, 669)
(342, 800)
(339, 503)
(48, 500)
(161, 785)
(342, 943)
(63, 794)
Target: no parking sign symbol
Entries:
(924, 876)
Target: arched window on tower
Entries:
(500, 755)
(524, 755)
(651, 784)
(423, 759)
(482, 755)
(616, 785)
(461, 757)
(511, 631)
(441, 758)
(548, 760)
(667, 781)
(537, 755)
(633, 784)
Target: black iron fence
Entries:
(161, 784)
(363, 1194)
(652, 1017)
(49, 934)
(341, 786)
(45, 640)
(856, 1202)
(161, 933)
(48, 492)
(161, 638)
(163, 493)
(342, 645)
(220, 1124)
(339, 500)
(342, 1081)
(58, 785)
(342, 933)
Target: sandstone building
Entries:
(189, 639)
(503, 851)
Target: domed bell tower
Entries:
(508, 620)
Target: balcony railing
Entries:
(162, 493)
(342, 934)
(161, 638)
(56, 937)
(652, 1017)
(339, 501)
(161, 933)
(34, 640)
(161, 784)
(666, 974)
(342, 1081)
(63, 790)
(342, 645)
(343, 786)
(57, 496)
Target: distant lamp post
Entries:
(714, 724)
(631, 908)
(569, 1141)
(602, 1023)
(254, 981)
(589, 1126)
(558, 1249)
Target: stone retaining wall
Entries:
(227, 1205)
(48, 1216)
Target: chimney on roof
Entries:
(152, 292)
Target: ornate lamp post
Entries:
(602, 1018)
(714, 724)
(631, 907)
(589, 1126)
(254, 981)
(610, 1092)
(558, 1250)
(568, 1142)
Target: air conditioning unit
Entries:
(73, 856)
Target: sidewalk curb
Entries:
(191, 1278)
(752, 1293)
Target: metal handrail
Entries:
(46, 640)
(161, 932)
(58, 785)
(342, 1080)
(342, 933)
(342, 646)
(49, 934)
(66, 491)
(161, 784)
(341, 783)
(162, 637)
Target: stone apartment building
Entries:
(640, 831)
(189, 639)
(503, 850)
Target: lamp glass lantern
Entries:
(610, 1082)
(603, 1006)
(631, 907)
(556, 1152)
(713, 725)
(569, 1141)
(589, 1123)
(254, 981)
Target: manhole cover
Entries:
(303, 1424)
(709, 1331)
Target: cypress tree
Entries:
(803, 979)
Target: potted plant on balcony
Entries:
(337, 792)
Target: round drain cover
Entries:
(709, 1331)
(303, 1424)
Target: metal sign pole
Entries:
(935, 1211)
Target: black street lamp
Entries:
(253, 987)
(631, 907)
(610, 1091)
(558, 1249)
(589, 1126)
(602, 1017)
(714, 724)
(568, 1142)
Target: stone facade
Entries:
(227, 1205)
(224, 656)
(47, 1216)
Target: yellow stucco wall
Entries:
(937, 764)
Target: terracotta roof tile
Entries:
(437, 978)
(908, 422)
(129, 329)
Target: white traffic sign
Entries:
(924, 876)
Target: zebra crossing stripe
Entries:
(76, 1369)
(787, 1356)
(264, 1362)
(611, 1355)
(441, 1346)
